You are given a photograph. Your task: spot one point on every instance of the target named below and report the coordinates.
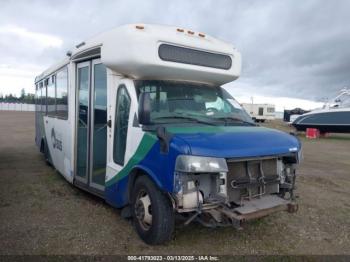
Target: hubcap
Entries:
(143, 210)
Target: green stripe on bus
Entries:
(147, 142)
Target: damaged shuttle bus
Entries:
(137, 116)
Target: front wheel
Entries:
(152, 212)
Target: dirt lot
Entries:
(40, 213)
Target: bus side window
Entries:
(62, 93)
(51, 96)
(42, 95)
(36, 97)
(121, 125)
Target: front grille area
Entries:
(247, 179)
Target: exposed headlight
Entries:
(199, 164)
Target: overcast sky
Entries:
(296, 49)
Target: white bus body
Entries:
(93, 124)
(128, 52)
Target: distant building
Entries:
(260, 112)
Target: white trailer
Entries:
(260, 112)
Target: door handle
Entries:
(109, 123)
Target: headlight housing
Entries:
(199, 179)
(300, 156)
(200, 164)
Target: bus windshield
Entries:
(174, 102)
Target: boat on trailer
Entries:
(334, 117)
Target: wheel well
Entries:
(134, 174)
(42, 145)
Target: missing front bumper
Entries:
(258, 208)
(222, 215)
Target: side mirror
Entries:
(144, 111)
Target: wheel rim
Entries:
(143, 210)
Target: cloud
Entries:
(281, 103)
(288, 49)
(44, 40)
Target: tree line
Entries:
(23, 98)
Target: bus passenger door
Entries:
(82, 142)
(91, 135)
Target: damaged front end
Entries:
(221, 192)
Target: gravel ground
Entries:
(40, 213)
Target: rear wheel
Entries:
(45, 150)
(152, 212)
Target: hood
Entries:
(236, 141)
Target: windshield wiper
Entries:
(186, 118)
(234, 119)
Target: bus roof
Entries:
(144, 51)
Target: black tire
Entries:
(162, 226)
(47, 154)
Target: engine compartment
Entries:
(250, 188)
(253, 178)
